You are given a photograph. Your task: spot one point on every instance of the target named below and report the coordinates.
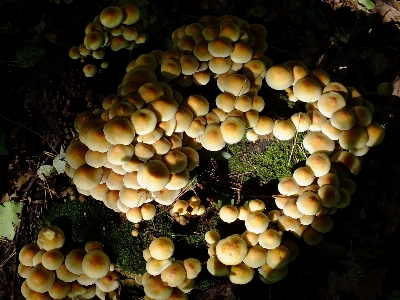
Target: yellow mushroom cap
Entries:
(317, 119)
(337, 87)
(228, 213)
(156, 289)
(330, 102)
(73, 261)
(108, 282)
(256, 205)
(111, 16)
(349, 185)
(150, 91)
(332, 132)
(307, 89)
(304, 176)
(131, 14)
(212, 236)
(231, 250)
(288, 186)
(164, 108)
(279, 77)
(90, 70)
(312, 237)
(284, 130)
(241, 53)
(269, 239)
(319, 163)
(148, 211)
(134, 215)
(173, 275)
(236, 84)
(309, 203)
(241, 274)
(119, 130)
(197, 104)
(27, 254)
(95, 264)
(161, 248)
(301, 121)
(87, 177)
(343, 119)
(376, 134)
(52, 259)
(354, 138)
(40, 279)
(225, 101)
(60, 289)
(256, 222)
(278, 257)
(269, 275)
(192, 267)
(220, 47)
(316, 141)
(144, 121)
(264, 126)
(50, 237)
(330, 195)
(256, 256)
(94, 40)
(171, 68)
(348, 159)
(232, 130)
(153, 175)
(155, 267)
(216, 267)
(189, 64)
(65, 275)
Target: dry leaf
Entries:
(389, 10)
(5, 198)
(23, 179)
(396, 86)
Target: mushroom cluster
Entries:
(260, 247)
(183, 210)
(54, 272)
(166, 278)
(117, 27)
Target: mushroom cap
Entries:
(256, 256)
(337, 87)
(301, 121)
(60, 289)
(111, 16)
(95, 159)
(278, 257)
(225, 101)
(348, 159)
(212, 236)
(256, 222)
(156, 289)
(349, 185)
(192, 267)
(304, 176)
(153, 175)
(241, 53)
(279, 77)
(192, 157)
(171, 68)
(284, 130)
(322, 223)
(75, 154)
(40, 279)
(165, 196)
(155, 267)
(27, 254)
(161, 248)
(131, 14)
(231, 250)
(134, 215)
(330, 195)
(376, 134)
(50, 237)
(316, 118)
(89, 70)
(354, 138)
(330, 131)
(119, 130)
(120, 154)
(94, 40)
(148, 211)
(73, 261)
(307, 89)
(212, 138)
(108, 282)
(144, 121)
(343, 119)
(264, 126)
(86, 177)
(329, 179)
(173, 275)
(256, 205)
(288, 186)
(95, 264)
(330, 102)
(189, 64)
(146, 60)
(309, 203)
(52, 259)
(175, 161)
(290, 209)
(269, 275)
(345, 198)
(236, 84)
(150, 91)
(32, 295)
(312, 237)
(363, 115)
(220, 47)
(241, 274)
(269, 239)
(197, 104)
(228, 213)
(216, 267)
(65, 275)
(316, 141)
(232, 130)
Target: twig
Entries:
(27, 128)
(17, 234)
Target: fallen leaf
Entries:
(23, 179)
(46, 171)
(389, 10)
(396, 86)
(5, 198)
(8, 218)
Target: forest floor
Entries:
(359, 47)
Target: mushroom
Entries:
(95, 264)
(161, 248)
(50, 237)
(40, 279)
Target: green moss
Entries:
(266, 159)
(91, 220)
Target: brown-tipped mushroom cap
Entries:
(51, 237)
(52, 259)
(161, 248)
(40, 279)
(307, 89)
(279, 77)
(231, 250)
(95, 264)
